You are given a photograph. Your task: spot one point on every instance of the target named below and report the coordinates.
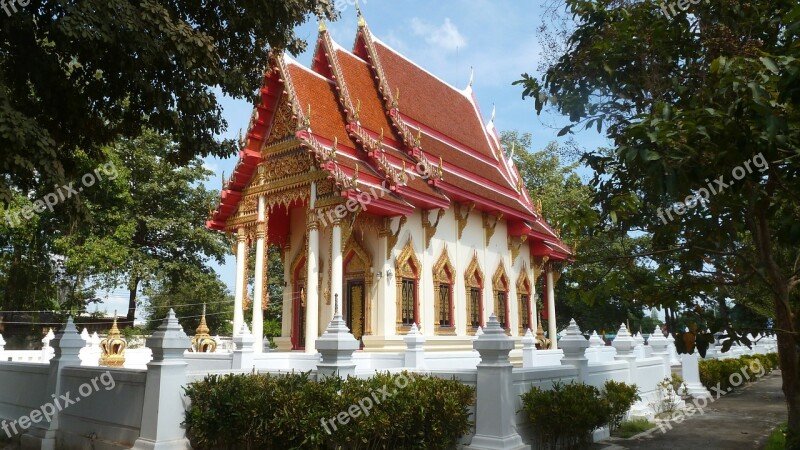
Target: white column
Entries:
(532, 303)
(312, 283)
(336, 263)
(241, 262)
(551, 311)
(258, 291)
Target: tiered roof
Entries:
(375, 114)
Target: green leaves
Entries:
(292, 411)
(83, 74)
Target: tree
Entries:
(188, 296)
(144, 228)
(83, 74)
(702, 108)
(609, 278)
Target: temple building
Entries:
(389, 195)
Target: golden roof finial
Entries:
(361, 22)
(322, 26)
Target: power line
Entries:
(111, 322)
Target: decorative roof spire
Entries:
(471, 76)
(494, 111)
(361, 22)
(322, 26)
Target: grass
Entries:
(777, 440)
(633, 427)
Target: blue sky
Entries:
(497, 38)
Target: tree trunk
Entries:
(785, 325)
(132, 289)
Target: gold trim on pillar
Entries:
(406, 267)
(443, 273)
(500, 287)
(473, 279)
(262, 229)
(246, 300)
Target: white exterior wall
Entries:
(383, 293)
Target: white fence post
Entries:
(528, 349)
(162, 411)
(415, 353)
(495, 409)
(574, 346)
(336, 346)
(690, 370)
(67, 345)
(243, 354)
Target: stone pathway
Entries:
(742, 419)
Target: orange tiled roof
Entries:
(351, 96)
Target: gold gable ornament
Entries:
(202, 342)
(113, 347)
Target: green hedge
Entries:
(727, 374)
(255, 411)
(566, 415)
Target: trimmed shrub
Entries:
(620, 397)
(429, 413)
(727, 374)
(565, 416)
(292, 411)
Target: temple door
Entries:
(299, 316)
(354, 307)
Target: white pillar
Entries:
(312, 283)
(241, 262)
(336, 262)
(258, 291)
(532, 304)
(552, 332)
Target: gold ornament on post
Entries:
(202, 342)
(113, 347)
(542, 343)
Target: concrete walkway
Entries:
(742, 419)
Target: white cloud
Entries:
(445, 36)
